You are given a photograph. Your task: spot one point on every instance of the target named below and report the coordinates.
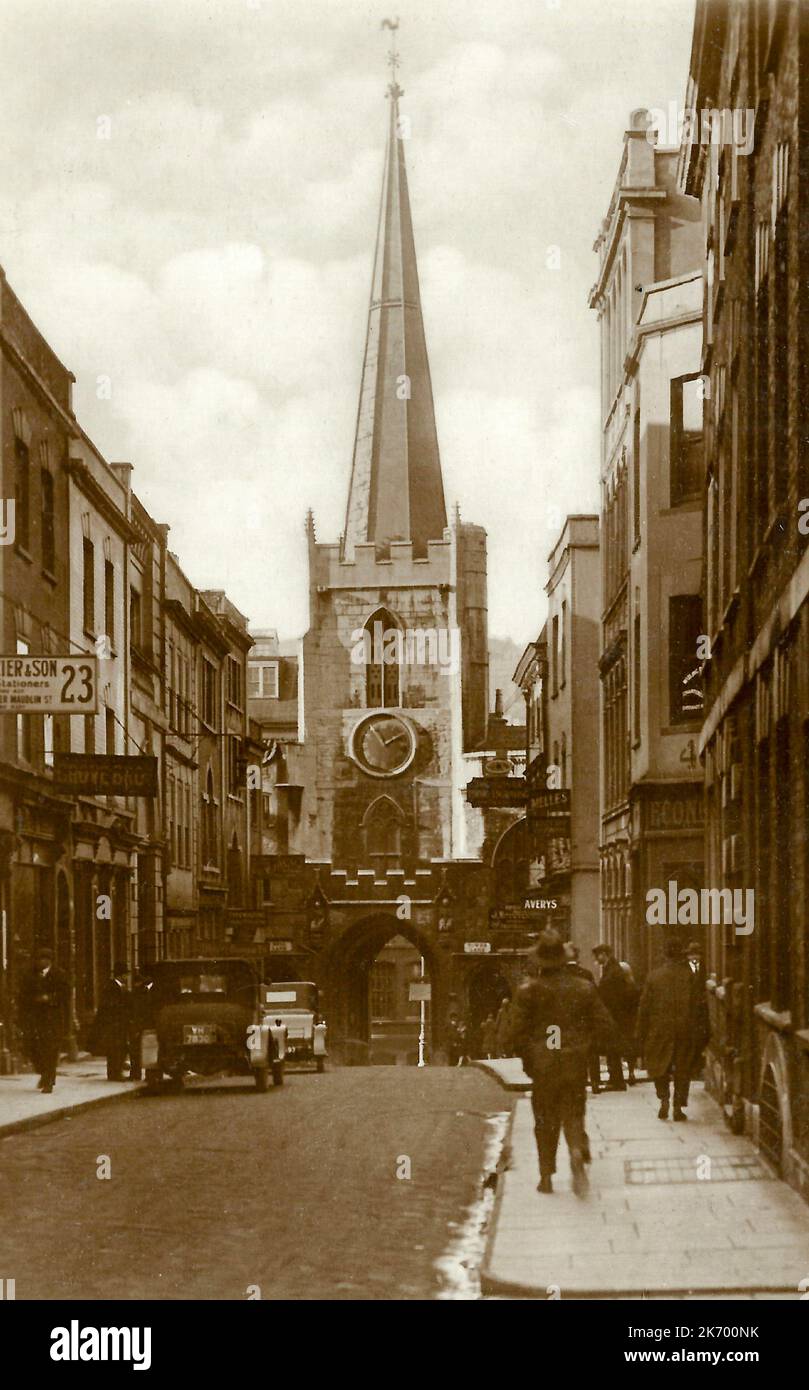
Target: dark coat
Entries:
(580, 971)
(43, 1003)
(560, 999)
(618, 995)
(672, 1018)
(114, 1016)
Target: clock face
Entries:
(383, 744)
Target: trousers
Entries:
(681, 1076)
(558, 1102)
(43, 1048)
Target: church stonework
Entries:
(394, 687)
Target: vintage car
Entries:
(294, 1005)
(205, 1018)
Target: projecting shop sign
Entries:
(48, 685)
(100, 774)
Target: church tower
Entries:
(394, 666)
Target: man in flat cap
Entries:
(44, 999)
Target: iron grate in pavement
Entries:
(698, 1168)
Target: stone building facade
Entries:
(648, 300)
(36, 872)
(755, 491)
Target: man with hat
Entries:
(558, 1017)
(672, 1027)
(44, 998)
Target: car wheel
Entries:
(261, 1075)
(320, 1063)
(154, 1076)
(277, 1073)
(175, 1083)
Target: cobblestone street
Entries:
(220, 1188)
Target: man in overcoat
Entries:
(558, 1019)
(619, 995)
(672, 1028)
(44, 1000)
(575, 966)
(114, 1021)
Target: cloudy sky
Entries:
(188, 195)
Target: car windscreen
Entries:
(211, 986)
(294, 995)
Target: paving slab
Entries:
(684, 1211)
(78, 1084)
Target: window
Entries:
(135, 618)
(22, 494)
(209, 701)
(383, 836)
(686, 457)
(563, 647)
(187, 828)
(234, 765)
(636, 476)
(383, 989)
(172, 815)
(555, 658)
(89, 586)
(263, 680)
(781, 415)
(636, 674)
(383, 652)
(234, 682)
(782, 916)
(48, 536)
(47, 738)
(210, 852)
(685, 680)
(109, 601)
(763, 421)
(24, 724)
(109, 730)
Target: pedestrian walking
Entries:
(558, 1019)
(113, 1021)
(620, 999)
(488, 1036)
(44, 1000)
(454, 1040)
(594, 1060)
(672, 1028)
(504, 1029)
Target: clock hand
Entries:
(400, 733)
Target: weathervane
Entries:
(394, 89)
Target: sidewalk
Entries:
(78, 1084)
(675, 1210)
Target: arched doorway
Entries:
(369, 970)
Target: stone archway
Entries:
(346, 979)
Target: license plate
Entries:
(199, 1033)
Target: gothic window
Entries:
(382, 825)
(383, 989)
(383, 660)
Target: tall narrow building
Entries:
(393, 685)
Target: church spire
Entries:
(396, 490)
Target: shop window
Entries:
(686, 698)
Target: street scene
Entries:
(404, 690)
